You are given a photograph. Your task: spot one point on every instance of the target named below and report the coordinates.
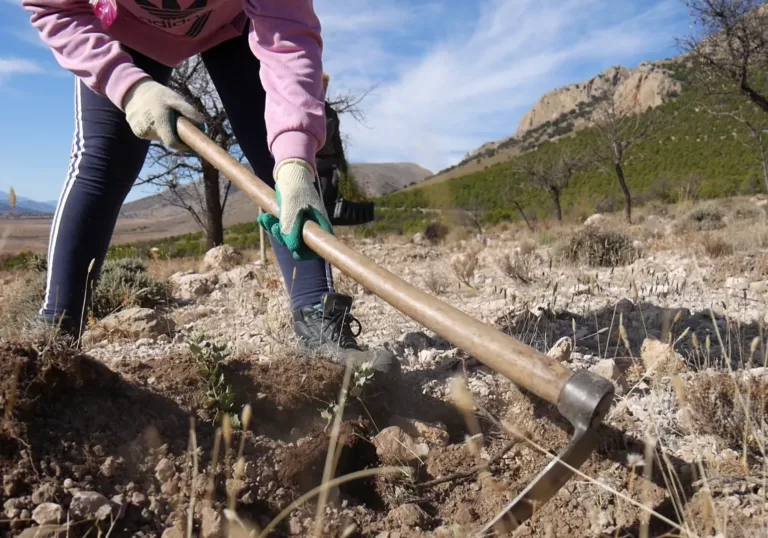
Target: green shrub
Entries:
(125, 283)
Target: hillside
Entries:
(695, 154)
(569, 109)
(377, 179)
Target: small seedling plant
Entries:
(219, 396)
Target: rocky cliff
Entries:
(635, 90)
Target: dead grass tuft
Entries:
(718, 405)
(716, 246)
(465, 265)
(599, 248)
(435, 283)
(518, 268)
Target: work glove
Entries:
(151, 110)
(298, 200)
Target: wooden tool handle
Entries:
(522, 364)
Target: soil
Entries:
(76, 425)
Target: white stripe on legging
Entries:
(78, 145)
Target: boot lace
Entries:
(340, 323)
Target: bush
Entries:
(435, 232)
(704, 218)
(600, 248)
(716, 247)
(125, 283)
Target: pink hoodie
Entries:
(285, 37)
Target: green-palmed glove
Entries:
(298, 200)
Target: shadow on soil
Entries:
(598, 332)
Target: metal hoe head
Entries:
(584, 401)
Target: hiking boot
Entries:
(326, 329)
(45, 329)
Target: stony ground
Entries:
(103, 439)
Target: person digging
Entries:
(265, 60)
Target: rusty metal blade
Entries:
(547, 483)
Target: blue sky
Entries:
(449, 75)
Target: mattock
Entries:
(582, 397)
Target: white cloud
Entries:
(17, 66)
(454, 76)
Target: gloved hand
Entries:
(298, 200)
(151, 109)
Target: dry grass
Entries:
(518, 268)
(436, 284)
(715, 401)
(599, 248)
(164, 268)
(716, 246)
(465, 265)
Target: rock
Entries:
(110, 467)
(417, 341)
(607, 369)
(119, 505)
(395, 447)
(192, 286)
(134, 323)
(45, 493)
(138, 498)
(47, 514)
(211, 526)
(655, 354)
(12, 508)
(222, 258)
(431, 434)
(172, 532)
(759, 288)
(562, 349)
(46, 531)
(10, 485)
(418, 238)
(237, 276)
(737, 283)
(86, 504)
(164, 470)
(170, 488)
(408, 515)
(595, 220)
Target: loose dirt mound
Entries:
(76, 430)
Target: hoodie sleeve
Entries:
(75, 36)
(286, 40)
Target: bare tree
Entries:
(350, 103)
(550, 172)
(618, 132)
(730, 52)
(755, 126)
(187, 180)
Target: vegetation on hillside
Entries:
(694, 154)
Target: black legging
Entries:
(107, 158)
